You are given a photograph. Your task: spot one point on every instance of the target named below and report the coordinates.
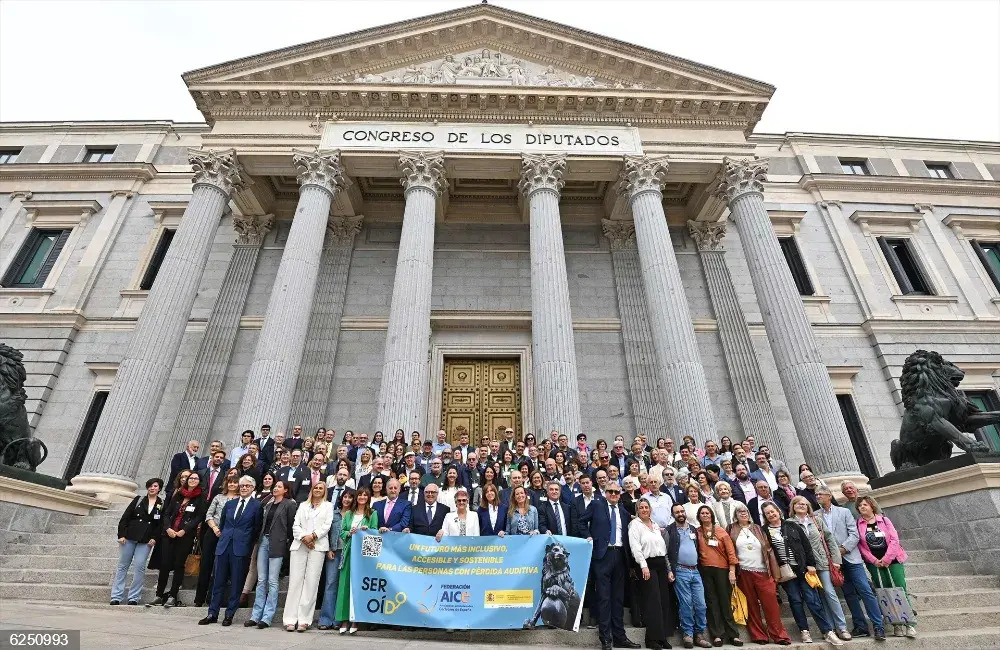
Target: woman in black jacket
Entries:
(138, 529)
(793, 551)
(178, 527)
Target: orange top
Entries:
(721, 556)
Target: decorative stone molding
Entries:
(887, 223)
(128, 194)
(47, 498)
(218, 169)
(961, 480)
(24, 195)
(739, 176)
(341, 231)
(542, 172)
(59, 214)
(251, 229)
(786, 223)
(621, 234)
(422, 169)
(320, 169)
(973, 226)
(642, 174)
(842, 378)
(707, 235)
(167, 213)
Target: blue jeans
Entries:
(858, 589)
(798, 591)
(831, 601)
(265, 600)
(691, 601)
(326, 614)
(130, 553)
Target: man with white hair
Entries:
(660, 503)
(850, 492)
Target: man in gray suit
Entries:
(856, 586)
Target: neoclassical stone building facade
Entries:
(481, 219)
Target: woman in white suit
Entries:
(460, 522)
(310, 542)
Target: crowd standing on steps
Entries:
(676, 529)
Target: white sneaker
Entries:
(897, 630)
(844, 634)
(911, 631)
(832, 638)
(806, 637)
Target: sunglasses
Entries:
(612, 491)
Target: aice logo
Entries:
(455, 597)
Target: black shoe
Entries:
(116, 602)
(262, 626)
(879, 634)
(179, 603)
(688, 642)
(199, 603)
(626, 643)
(666, 646)
(860, 633)
(736, 641)
(605, 645)
(208, 620)
(227, 621)
(784, 642)
(133, 602)
(250, 623)
(160, 600)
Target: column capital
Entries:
(340, 231)
(422, 169)
(542, 172)
(740, 176)
(621, 234)
(707, 235)
(321, 169)
(252, 229)
(642, 174)
(219, 169)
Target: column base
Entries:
(105, 488)
(833, 482)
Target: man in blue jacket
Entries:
(239, 526)
(393, 513)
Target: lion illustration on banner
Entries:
(559, 602)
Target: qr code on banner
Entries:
(371, 546)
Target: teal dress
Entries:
(344, 588)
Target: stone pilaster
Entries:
(749, 387)
(402, 398)
(553, 354)
(201, 396)
(687, 403)
(270, 385)
(818, 421)
(640, 358)
(312, 392)
(120, 439)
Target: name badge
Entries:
(156, 516)
(694, 536)
(306, 481)
(713, 542)
(189, 509)
(879, 534)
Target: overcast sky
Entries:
(905, 67)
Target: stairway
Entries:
(75, 560)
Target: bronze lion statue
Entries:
(17, 447)
(937, 414)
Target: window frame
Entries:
(887, 244)
(159, 254)
(980, 247)
(992, 403)
(856, 432)
(86, 436)
(105, 154)
(850, 166)
(11, 154)
(26, 254)
(796, 265)
(944, 167)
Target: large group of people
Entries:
(674, 527)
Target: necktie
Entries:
(336, 496)
(614, 524)
(413, 496)
(315, 478)
(429, 515)
(211, 479)
(388, 509)
(559, 519)
(239, 511)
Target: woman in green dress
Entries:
(360, 517)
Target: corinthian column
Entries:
(402, 397)
(120, 438)
(815, 413)
(553, 355)
(270, 386)
(682, 377)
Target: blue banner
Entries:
(487, 583)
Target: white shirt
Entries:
(413, 495)
(451, 525)
(771, 480)
(240, 507)
(661, 505)
(725, 512)
(645, 543)
(494, 512)
(691, 510)
(446, 496)
(192, 460)
(749, 491)
(561, 525)
(749, 551)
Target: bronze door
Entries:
(481, 396)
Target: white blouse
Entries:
(749, 551)
(644, 542)
(452, 526)
(446, 496)
(691, 510)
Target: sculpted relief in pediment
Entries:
(483, 67)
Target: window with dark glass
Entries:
(156, 260)
(989, 255)
(939, 170)
(33, 263)
(862, 450)
(795, 264)
(854, 167)
(99, 154)
(9, 156)
(986, 400)
(903, 262)
(86, 434)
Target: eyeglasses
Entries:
(461, 500)
(612, 491)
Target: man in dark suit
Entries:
(428, 516)
(183, 460)
(413, 492)
(305, 476)
(205, 461)
(763, 496)
(213, 477)
(294, 441)
(606, 524)
(516, 478)
(240, 525)
(336, 489)
(461, 451)
(266, 445)
(394, 513)
(554, 516)
(285, 468)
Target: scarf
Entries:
(789, 491)
(187, 495)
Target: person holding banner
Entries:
(461, 522)
(361, 517)
(492, 514)
(522, 517)
(393, 513)
(308, 552)
(555, 517)
(428, 517)
(650, 551)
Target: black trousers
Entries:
(609, 579)
(658, 610)
(718, 594)
(209, 540)
(173, 553)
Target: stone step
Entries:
(108, 550)
(74, 539)
(925, 556)
(103, 529)
(930, 584)
(955, 599)
(35, 561)
(926, 569)
(71, 576)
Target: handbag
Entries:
(894, 602)
(836, 575)
(192, 563)
(738, 602)
(785, 573)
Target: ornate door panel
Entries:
(481, 396)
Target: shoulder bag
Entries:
(836, 575)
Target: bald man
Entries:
(182, 460)
(393, 513)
